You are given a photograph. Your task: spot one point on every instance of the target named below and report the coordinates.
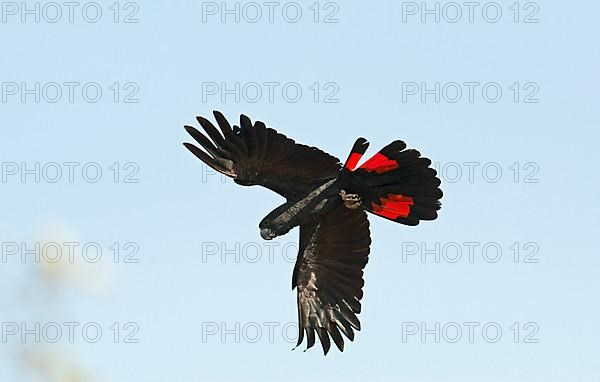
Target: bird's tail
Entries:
(395, 183)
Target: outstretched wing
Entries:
(257, 155)
(328, 276)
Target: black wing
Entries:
(257, 155)
(328, 275)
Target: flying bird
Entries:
(327, 200)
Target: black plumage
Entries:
(328, 200)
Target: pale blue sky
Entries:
(174, 216)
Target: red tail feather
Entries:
(359, 148)
(394, 206)
(380, 164)
(353, 161)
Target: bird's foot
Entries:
(351, 201)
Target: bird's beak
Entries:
(266, 233)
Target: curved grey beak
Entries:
(266, 233)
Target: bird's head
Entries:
(274, 224)
(269, 229)
(267, 233)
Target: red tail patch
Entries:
(358, 150)
(353, 161)
(394, 206)
(380, 164)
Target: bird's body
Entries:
(327, 200)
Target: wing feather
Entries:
(329, 276)
(253, 154)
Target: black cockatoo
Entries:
(328, 201)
